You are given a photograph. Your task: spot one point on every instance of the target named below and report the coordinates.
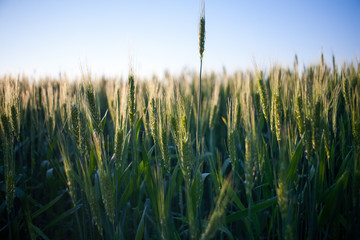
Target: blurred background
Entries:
(48, 37)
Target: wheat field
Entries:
(278, 155)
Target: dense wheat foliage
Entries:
(279, 156)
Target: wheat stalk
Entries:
(316, 126)
(163, 142)
(201, 51)
(277, 116)
(119, 138)
(131, 99)
(263, 96)
(249, 164)
(95, 117)
(153, 115)
(299, 114)
(345, 89)
(75, 124)
(69, 172)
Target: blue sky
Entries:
(61, 36)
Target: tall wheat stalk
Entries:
(201, 51)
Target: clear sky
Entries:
(49, 36)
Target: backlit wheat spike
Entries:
(183, 144)
(95, 117)
(299, 114)
(75, 124)
(186, 158)
(153, 120)
(272, 120)
(202, 33)
(106, 187)
(309, 87)
(277, 116)
(174, 128)
(118, 148)
(345, 90)
(322, 61)
(263, 97)
(258, 105)
(335, 72)
(131, 99)
(184, 126)
(326, 134)
(90, 190)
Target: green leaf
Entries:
(332, 200)
(254, 209)
(63, 215)
(204, 175)
(103, 120)
(171, 188)
(343, 165)
(150, 151)
(226, 231)
(138, 126)
(92, 164)
(46, 207)
(140, 229)
(235, 198)
(225, 165)
(125, 196)
(294, 162)
(39, 232)
(27, 216)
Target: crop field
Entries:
(258, 154)
(276, 156)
